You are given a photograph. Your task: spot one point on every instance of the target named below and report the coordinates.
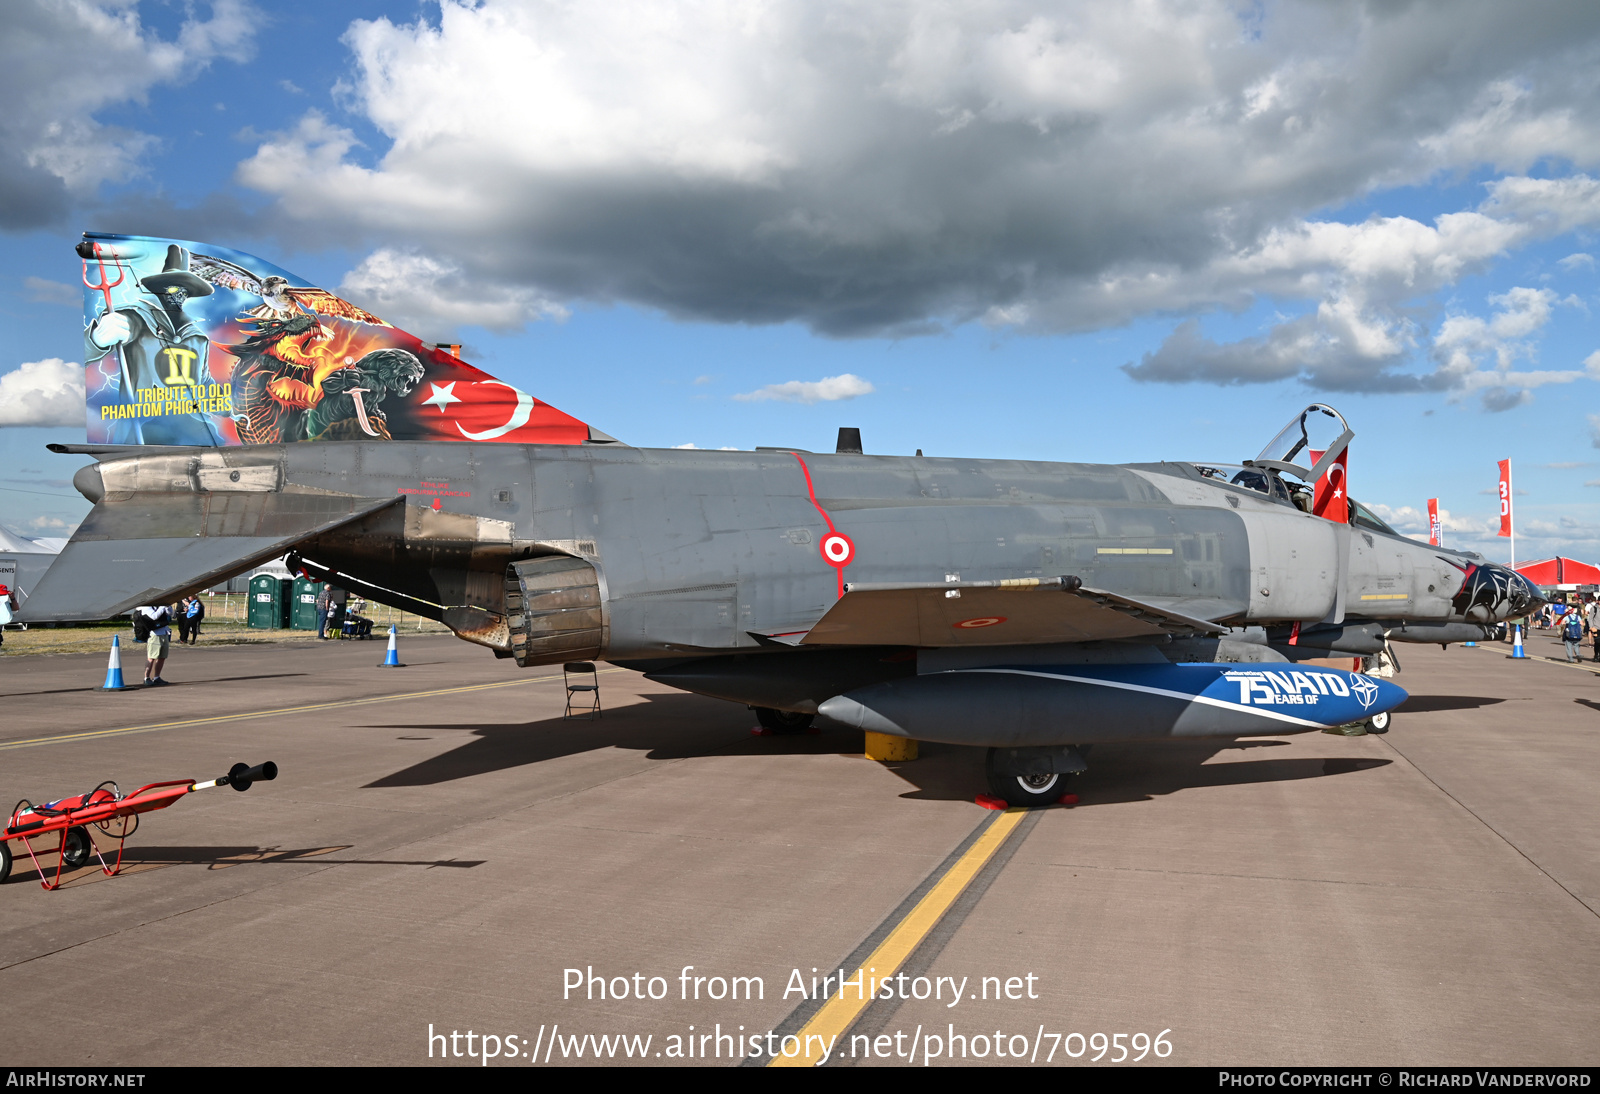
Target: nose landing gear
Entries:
(783, 721)
(1033, 776)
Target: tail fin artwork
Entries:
(191, 344)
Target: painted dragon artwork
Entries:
(188, 344)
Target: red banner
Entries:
(1505, 498)
(1435, 532)
(1329, 496)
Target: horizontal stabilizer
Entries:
(151, 548)
(991, 613)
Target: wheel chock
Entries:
(998, 804)
(886, 747)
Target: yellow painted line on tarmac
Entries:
(97, 734)
(818, 1036)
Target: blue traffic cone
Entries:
(391, 660)
(114, 669)
(1516, 642)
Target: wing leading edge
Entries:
(147, 548)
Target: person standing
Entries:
(324, 598)
(8, 605)
(195, 610)
(1572, 633)
(157, 626)
(337, 600)
(1594, 625)
(182, 615)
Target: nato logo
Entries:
(1364, 689)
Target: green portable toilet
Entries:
(303, 613)
(269, 601)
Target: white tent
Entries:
(23, 561)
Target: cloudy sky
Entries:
(1074, 231)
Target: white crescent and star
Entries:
(519, 416)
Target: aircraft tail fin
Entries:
(191, 344)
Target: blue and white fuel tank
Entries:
(1026, 705)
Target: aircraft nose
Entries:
(1389, 696)
(1519, 596)
(1492, 593)
(1525, 595)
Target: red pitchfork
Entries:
(104, 287)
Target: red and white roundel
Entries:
(838, 550)
(981, 621)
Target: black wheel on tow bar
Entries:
(1013, 788)
(1379, 723)
(783, 721)
(5, 860)
(77, 852)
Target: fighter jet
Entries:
(1030, 608)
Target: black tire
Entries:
(784, 721)
(1023, 790)
(77, 852)
(5, 860)
(1379, 723)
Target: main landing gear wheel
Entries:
(77, 852)
(1025, 790)
(1379, 723)
(783, 721)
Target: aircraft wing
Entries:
(148, 547)
(1025, 611)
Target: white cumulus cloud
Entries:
(829, 389)
(423, 294)
(48, 392)
(43, 291)
(1366, 281)
(62, 61)
(897, 166)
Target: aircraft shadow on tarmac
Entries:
(1129, 772)
(670, 727)
(667, 727)
(1423, 704)
(1590, 703)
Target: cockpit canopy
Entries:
(1289, 467)
(1315, 430)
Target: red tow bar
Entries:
(102, 808)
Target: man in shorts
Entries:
(158, 622)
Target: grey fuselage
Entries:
(702, 552)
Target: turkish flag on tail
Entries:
(1505, 498)
(1435, 532)
(1329, 496)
